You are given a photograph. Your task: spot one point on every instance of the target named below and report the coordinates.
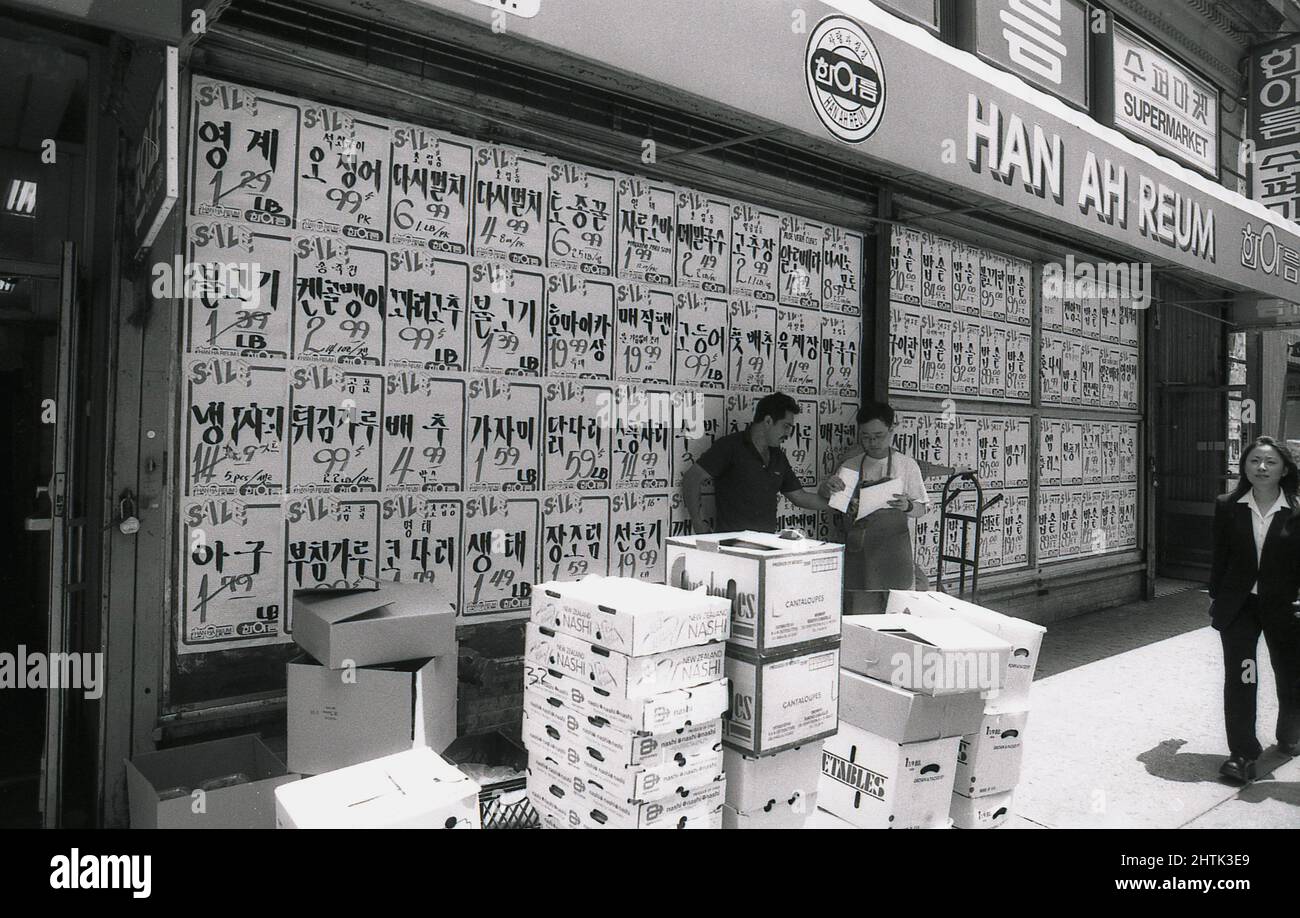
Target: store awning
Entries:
(922, 111)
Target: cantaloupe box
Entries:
(656, 714)
(161, 785)
(927, 655)
(783, 592)
(906, 716)
(338, 718)
(631, 616)
(876, 783)
(691, 764)
(783, 815)
(757, 784)
(594, 805)
(782, 701)
(399, 621)
(988, 760)
(1025, 638)
(990, 812)
(416, 789)
(618, 674)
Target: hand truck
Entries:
(945, 514)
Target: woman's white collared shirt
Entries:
(1261, 521)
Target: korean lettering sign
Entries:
(1164, 105)
(1274, 127)
(1043, 41)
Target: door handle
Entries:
(39, 523)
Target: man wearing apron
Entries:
(878, 548)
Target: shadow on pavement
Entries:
(1164, 761)
(1096, 636)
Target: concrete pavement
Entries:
(1126, 728)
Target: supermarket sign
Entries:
(949, 118)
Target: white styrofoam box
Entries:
(689, 766)
(659, 713)
(631, 616)
(780, 779)
(989, 812)
(783, 591)
(782, 701)
(581, 801)
(783, 815)
(941, 656)
(617, 673)
(903, 715)
(1025, 638)
(988, 760)
(876, 783)
(416, 789)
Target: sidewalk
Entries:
(1126, 728)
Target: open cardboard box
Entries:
(631, 616)
(1025, 638)
(398, 621)
(927, 655)
(415, 789)
(335, 722)
(618, 674)
(178, 772)
(782, 701)
(875, 783)
(903, 715)
(783, 592)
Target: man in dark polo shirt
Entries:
(749, 469)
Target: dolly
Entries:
(961, 560)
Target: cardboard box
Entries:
(876, 783)
(593, 805)
(415, 789)
(617, 673)
(784, 815)
(1025, 638)
(177, 773)
(988, 760)
(926, 655)
(689, 766)
(388, 709)
(782, 701)
(620, 747)
(631, 616)
(656, 714)
(399, 621)
(906, 716)
(755, 784)
(989, 812)
(783, 592)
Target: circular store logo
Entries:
(845, 80)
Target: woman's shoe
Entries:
(1238, 768)
(1291, 749)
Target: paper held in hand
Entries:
(840, 499)
(877, 496)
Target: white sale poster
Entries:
(579, 326)
(430, 190)
(965, 279)
(645, 320)
(993, 286)
(798, 351)
(646, 248)
(1019, 275)
(638, 521)
(964, 444)
(235, 426)
(703, 241)
(238, 289)
(1019, 360)
(936, 272)
(905, 265)
(642, 444)
(837, 432)
(1015, 528)
(936, 353)
(966, 335)
(702, 340)
(1071, 369)
(992, 460)
(424, 432)
(503, 434)
(578, 436)
(1049, 524)
(1016, 450)
(420, 542)
(580, 224)
(1090, 375)
(511, 202)
(1071, 452)
(335, 429)
(507, 310)
(575, 536)
(993, 374)
(842, 275)
(501, 556)
(333, 542)
(755, 238)
(1051, 368)
(701, 418)
(841, 340)
(751, 352)
(1049, 451)
(338, 300)
(1093, 434)
(904, 348)
(800, 262)
(343, 176)
(426, 325)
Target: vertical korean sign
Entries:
(1274, 128)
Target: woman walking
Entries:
(1254, 582)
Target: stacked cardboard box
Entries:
(910, 689)
(785, 599)
(378, 676)
(623, 699)
(989, 758)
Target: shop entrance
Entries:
(47, 771)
